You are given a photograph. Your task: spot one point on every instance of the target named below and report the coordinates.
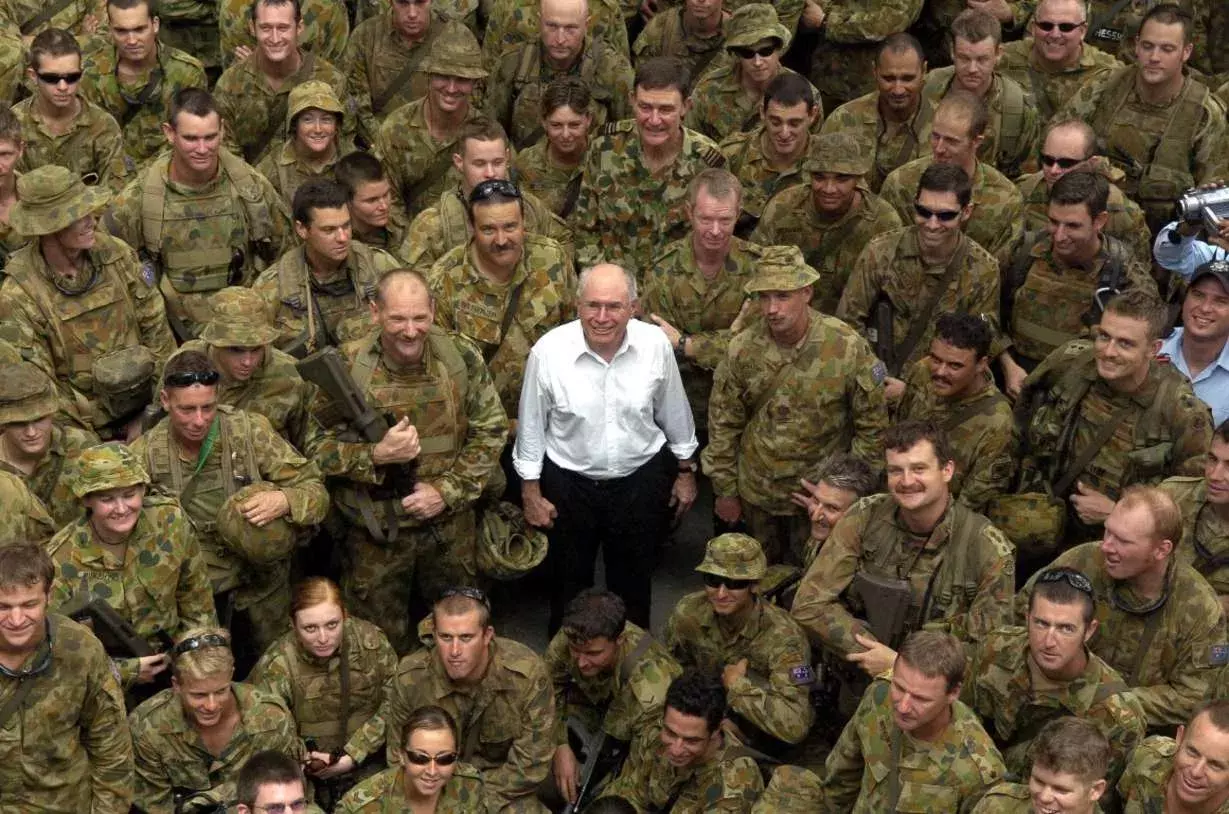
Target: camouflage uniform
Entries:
(1169, 656)
(387, 238)
(1011, 798)
(12, 61)
(720, 107)
(158, 584)
(384, 793)
(745, 157)
(980, 428)
(1143, 785)
(512, 708)
(936, 20)
(1000, 688)
(170, 755)
(520, 21)
(1116, 35)
(626, 214)
(25, 519)
(792, 790)
(376, 56)
(469, 302)
(728, 783)
(66, 750)
(962, 578)
(666, 35)
(140, 109)
(239, 225)
(892, 266)
(93, 148)
(326, 28)
(891, 147)
(519, 79)
(437, 230)
(1052, 90)
(998, 209)
(283, 166)
(78, 322)
(452, 401)
(1162, 150)
(946, 774)
(539, 176)
(71, 17)
(1013, 133)
(676, 290)
(248, 451)
(843, 61)
(310, 687)
(1205, 538)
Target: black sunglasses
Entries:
(1063, 163)
(192, 377)
(490, 189)
(56, 78)
(1066, 28)
(944, 215)
(197, 642)
(1073, 578)
(716, 581)
(743, 52)
(476, 594)
(422, 758)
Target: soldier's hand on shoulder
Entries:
(398, 446)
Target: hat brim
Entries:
(1220, 277)
(777, 31)
(454, 70)
(218, 337)
(32, 409)
(704, 568)
(39, 223)
(131, 479)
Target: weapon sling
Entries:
(1089, 452)
(514, 301)
(924, 319)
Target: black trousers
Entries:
(626, 517)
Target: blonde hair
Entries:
(205, 661)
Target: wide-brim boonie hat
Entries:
(52, 198)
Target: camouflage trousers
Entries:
(378, 580)
(784, 537)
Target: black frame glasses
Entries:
(731, 584)
(1073, 578)
(422, 758)
(944, 215)
(1066, 28)
(197, 642)
(191, 377)
(49, 78)
(495, 187)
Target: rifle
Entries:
(887, 602)
(119, 638)
(880, 333)
(603, 755)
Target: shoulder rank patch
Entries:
(1218, 655)
(802, 674)
(879, 372)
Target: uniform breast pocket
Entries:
(927, 798)
(1151, 461)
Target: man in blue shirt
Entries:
(1199, 349)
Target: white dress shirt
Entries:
(601, 419)
(1186, 256)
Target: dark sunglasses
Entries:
(192, 377)
(490, 189)
(715, 581)
(1073, 578)
(749, 53)
(1063, 163)
(422, 758)
(944, 215)
(197, 642)
(56, 78)
(476, 594)
(1066, 28)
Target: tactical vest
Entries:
(316, 689)
(528, 87)
(324, 317)
(200, 242)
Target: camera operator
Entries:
(1177, 247)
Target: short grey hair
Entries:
(628, 277)
(844, 470)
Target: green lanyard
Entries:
(207, 446)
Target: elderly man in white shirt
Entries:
(605, 444)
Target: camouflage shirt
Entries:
(774, 696)
(1116, 35)
(947, 774)
(1169, 656)
(760, 180)
(961, 575)
(1143, 785)
(170, 755)
(49, 480)
(158, 584)
(539, 175)
(520, 21)
(720, 106)
(376, 55)
(890, 146)
(842, 63)
(287, 172)
(92, 147)
(1126, 221)
(384, 793)
(776, 411)
(389, 237)
(1050, 89)
(70, 17)
(1012, 135)
(419, 167)
(1205, 536)
(666, 35)
(66, 749)
(326, 27)
(1012, 798)
(25, 519)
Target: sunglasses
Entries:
(476, 594)
(197, 642)
(1066, 28)
(1063, 163)
(750, 53)
(490, 189)
(206, 377)
(1073, 578)
(422, 758)
(56, 78)
(715, 581)
(944, 215)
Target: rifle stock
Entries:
(887, 602)
(119, 638)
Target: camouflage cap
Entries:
(737, 556)
(508, 547)
(239, 320)
(781, 268)
(258, 545)
(754, 22)
(106, 466)
(792, 790)
(52, 198)
(312, 93)
(836, 152)
(455, 52)
(26, 394)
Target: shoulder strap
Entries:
(1045, 109)
(514, 301)
(1017, 273)
(344, 673)
(153, 207)
(24, 686)
(1174, 149)
(1013, 117)
(979, 407)
(571, 196)
(438, 169)
(398, 82)
(633, 658)
(43, 16)
(924, 318)
(1089, 452)
(1113, 97)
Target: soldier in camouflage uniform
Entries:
(200, 218)
(791, 390)
(850, 32)
(33, 445)
(729, 97)
(498, 688)
(319, 293)
(11, 145)
(326, 29)
(890, 122)
(1159, 623)
(136, 551)
(832, 217)
(693, 289)
(134, 78)
(253, 95)
(1204, 502)
(168, 730)
(952, 386)
(692, 766)
(1053, 64)
(693, 31)
(203, 453)
(520, 21)
(550, 169)
(791, 790)
(313, 144)
(938, 15)
(255, 376)
(1115, 28)
(634, 183)
(922, 270)
(1160, 127)
(762, 654)
(482, 155)
(65, 747)
(1181, 775)
(81, 18)
(957, 132)
(933, 745)
(520, 76)
(416, 142)
(374, 221)
(1010, 138)
(1066, 773)
(84, 296)
(608, 674)
(25, 519)
(449, 421)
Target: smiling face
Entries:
(594, 656)
(404, 317)
(1205, 311)
(899, 78)
(277, 32)
(1123, 349)
(659, 115)
(605, 308)
(686, 740)
(1216, 472)
(315, 131)
(786, 126)
(114, 512)
(567, 131)
(1075, 234)
(427, 779)
(1200, 776)
(30, 439)
(190, 411)
(78, 235)
(917, 479)
(23, 616)
(1057, 792)
(195, 141)
(206, 701)
(449, 95)
(499, 233)
(1058, 47)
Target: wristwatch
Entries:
(688, 467)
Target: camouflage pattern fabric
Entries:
(66, 749)
(384, 793)
(169, 754)
(666, 35)
(1116, 35)
(93, 147)
(1011, 798)
(745, 157)
(966, 568)
(1010, 152)
(792, 790)
(891, 146)
(25, 519)
(774, 696)
(376, 55)
(1205, 538)
(515, 23)
(49, 480)
(721, 107)
(1052, 90)
(326, 28)
(72, 17)
(948, 773)
(1171, 678)
(513, 709)
(936, 20)
(1142, 788)
(159, 585)
(1126, 221)
(409, 152)
(843, 61)
(287, 172)
(538, 174)
(387, 238)
(12, 60)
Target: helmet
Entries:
(508, 547)
(259, 545)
